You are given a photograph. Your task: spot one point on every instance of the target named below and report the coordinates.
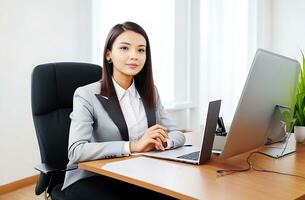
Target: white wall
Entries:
(287, 27)
(33, 32)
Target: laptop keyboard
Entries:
(191, 156)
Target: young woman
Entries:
(119, 115)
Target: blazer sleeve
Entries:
(81, 129)
(175, 137)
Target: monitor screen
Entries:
(271, 81)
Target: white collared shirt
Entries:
(133, 111)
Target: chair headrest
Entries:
(53, 84)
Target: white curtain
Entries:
(228, 44)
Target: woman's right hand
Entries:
(153, 138)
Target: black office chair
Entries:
(53, 86)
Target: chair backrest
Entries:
(53, 86)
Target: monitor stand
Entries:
(280, 149)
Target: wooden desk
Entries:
(187, 181)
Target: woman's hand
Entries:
(154, 137)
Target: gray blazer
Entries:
(98, 129)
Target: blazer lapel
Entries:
(151, 116)
(112, 106)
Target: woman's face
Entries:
(128, 55)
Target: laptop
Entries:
(195, 155)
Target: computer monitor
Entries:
(272, 80)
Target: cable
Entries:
(223, 172)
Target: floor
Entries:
(26, 193)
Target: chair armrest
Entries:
(47, 169)
(46, 174)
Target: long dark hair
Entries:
(143, 80)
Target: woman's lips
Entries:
(132, 65)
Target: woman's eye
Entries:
(142, 50)
(124, 48)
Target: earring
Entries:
(109, 61)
